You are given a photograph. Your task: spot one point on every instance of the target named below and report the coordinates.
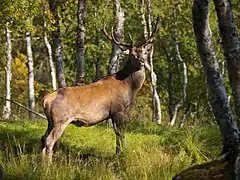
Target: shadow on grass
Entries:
(140, 126)
(87, 156)
(18, 142)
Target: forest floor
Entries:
(151, 151)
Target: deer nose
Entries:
(141, 62)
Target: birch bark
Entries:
(147, 27)
(215, 84)
(8, 73)
(49, 49)
(119, 36)
(31, 97)
(184, 69)
(81, 16)
(230, 42)
(57, 45)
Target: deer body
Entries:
(87, 105)
(111, 97)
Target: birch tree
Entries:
(147, 27)
(119, 35)
(217, 92)
(218, 96)
(184, 70)
(57, 44)
(169, 82)
(8, 73)
(81, 16)
(215, 84)
(31, 96)
(49, 50)
(96, 60)
(230, 43)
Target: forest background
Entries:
(29, 18)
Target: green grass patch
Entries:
(151, 151)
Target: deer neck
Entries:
(132, 75)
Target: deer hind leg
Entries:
(118, 126)
(43, 139)
(51, 138)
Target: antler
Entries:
(113, 39)
(155, 28)
(129, 46)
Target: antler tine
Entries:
(155, 28)
(113, 36)
(118, 43)
(105, 32)
(113, 39)
(130, 39)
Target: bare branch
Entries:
(24, 107)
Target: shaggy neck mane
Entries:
(126, 71)
(132, 75)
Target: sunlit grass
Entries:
(151, 151)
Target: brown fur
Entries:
(111, 97)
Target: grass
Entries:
(151, 151)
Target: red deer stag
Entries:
(110, 97)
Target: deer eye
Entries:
(149, 47)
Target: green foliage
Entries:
(28, 15)
(151, 151)
(20, 80)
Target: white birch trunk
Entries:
(144, 23)
(157, 114)
(8, 74)
(31, 97)
(119, 35)
(49, 49)
(185, 80)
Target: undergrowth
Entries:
(151, 151)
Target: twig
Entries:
(24, 107)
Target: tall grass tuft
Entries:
(151, 151)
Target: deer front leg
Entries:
(118, 126)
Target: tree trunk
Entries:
(169, 82)
(230, 42)
(8, 74)
(49, 49)
(81, 16)
(170, 92)
(144, 23)
(57, 44)
(217, 91)
(31, 97)
(184, 90)
(97, 68)
(218, 99)
(119, 35)
(157, 114)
